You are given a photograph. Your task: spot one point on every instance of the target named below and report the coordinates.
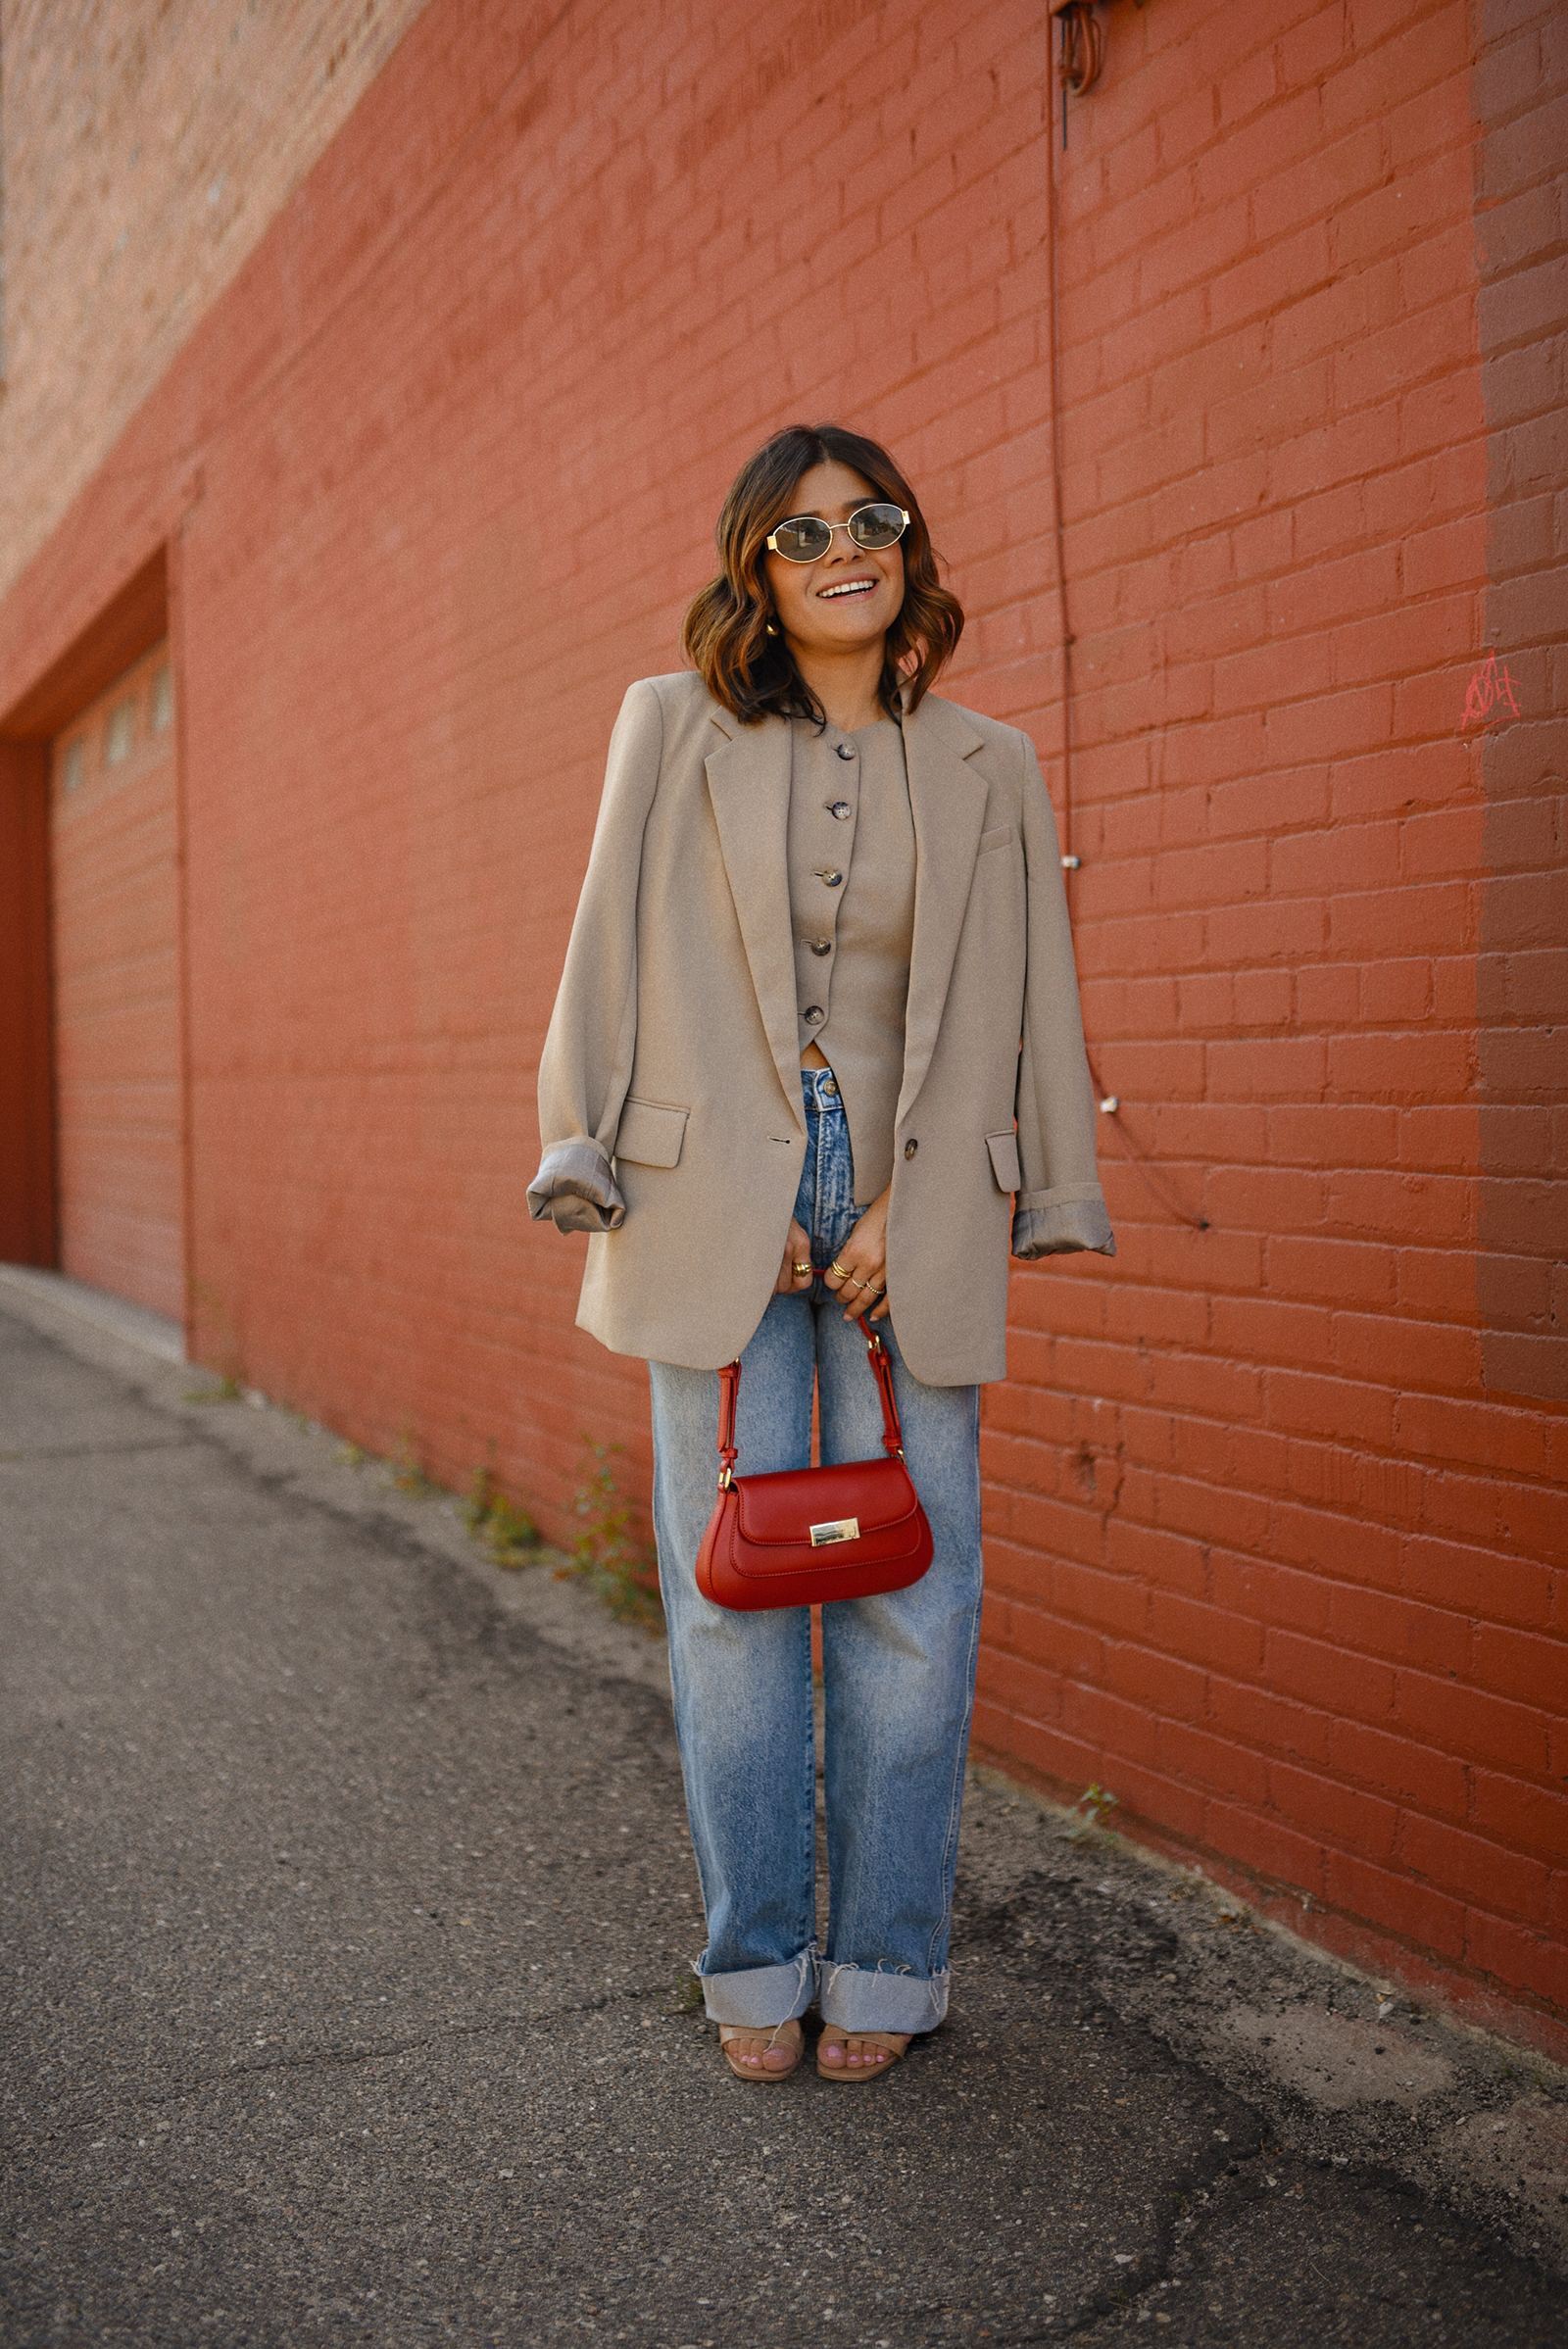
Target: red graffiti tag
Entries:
(1488, 695)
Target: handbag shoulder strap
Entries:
(881, 1362)
(730, 1386)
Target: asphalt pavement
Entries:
(345, 1926)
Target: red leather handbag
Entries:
(810, 1534)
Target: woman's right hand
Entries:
(796, 1251)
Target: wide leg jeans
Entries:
(898, 1670)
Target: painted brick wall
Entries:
(117, 1041)
(1304, 1572)
(1521, 106)
(1267, 1555)
(147, 147)
(27, 1127)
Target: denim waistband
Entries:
(820, 1088)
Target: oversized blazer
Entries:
(670, 1090)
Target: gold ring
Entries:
(842, 1270)
(800, 1268)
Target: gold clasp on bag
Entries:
(842, 1529)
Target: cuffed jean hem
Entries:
(861, 1998)
(759, 1997)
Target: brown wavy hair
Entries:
(725, 636)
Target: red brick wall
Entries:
(26, 1106)
(1302, 1605)
(1521, 105)
(117, 1031)
(1267, 1557)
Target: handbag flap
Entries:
(781, 1509)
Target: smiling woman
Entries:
(783, 1091)
(732, 635)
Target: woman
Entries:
(783, 1089)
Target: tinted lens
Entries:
(802, 539)
(876, 526)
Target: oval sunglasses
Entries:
(807, 538)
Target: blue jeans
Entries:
(898, 1670)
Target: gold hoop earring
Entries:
(771, 628)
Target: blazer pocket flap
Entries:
(651, 1134)
(1001, 838)
(1003, 1148)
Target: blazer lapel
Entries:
(948, 799)
(749, 785)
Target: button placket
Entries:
(817, 915)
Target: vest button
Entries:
(841, 810)
(821, 945)
(812, 1015)
(846, 749)
(834, 880)
(909, 1147)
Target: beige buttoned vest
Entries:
(850, 851)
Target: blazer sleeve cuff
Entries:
(576, 1190)
(1059, 1223)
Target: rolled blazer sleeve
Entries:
(586, 1064)
(1060, 1207)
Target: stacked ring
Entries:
(842, 1270)
(800, 1270)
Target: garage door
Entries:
(117, 993)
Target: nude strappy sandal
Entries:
(760, 2078)
(843, 2072)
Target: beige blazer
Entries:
(669, 1090)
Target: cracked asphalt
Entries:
(346, 1913)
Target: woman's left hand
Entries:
(858, 1273)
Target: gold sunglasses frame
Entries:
(774, 548)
